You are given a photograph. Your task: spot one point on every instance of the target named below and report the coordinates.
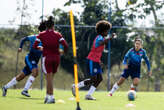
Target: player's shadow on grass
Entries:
(30, 98)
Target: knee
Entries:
(35, 73)
(20, 77)
(88, 82)
(135, 81)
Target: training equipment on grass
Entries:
(130, 105)
(75, 60)
(60, 101)
(131, 95)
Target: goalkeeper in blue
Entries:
(132, 66)
(31, 61)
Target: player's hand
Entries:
(40, 48)
(19, 49)
(61, 51)
(149, 73)
(102, 65)
(114, 36)
(125, 66)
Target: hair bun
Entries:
(50, 18)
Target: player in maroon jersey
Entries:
(51, 56)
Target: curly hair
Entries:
(102, 26)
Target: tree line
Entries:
(123, 21)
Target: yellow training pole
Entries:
(75, 61)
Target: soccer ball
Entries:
(131, 95)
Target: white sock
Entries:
(91, 90)
(114, 88)
(29, 83)
(81, 84)
(11, 83)
(132, 87)
(48, 96)
(52, 96)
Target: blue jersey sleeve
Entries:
(98, 40)
(40, 44)
(125, 61)
(146, 60)
(22, 41)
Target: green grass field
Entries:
(64, 101)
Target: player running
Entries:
(94, 59)
(132, 66)
(31, 61)
(51, 55)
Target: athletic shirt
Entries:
(134, 58)
(50, 41)
(31, 39)
(97, 49)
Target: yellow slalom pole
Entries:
(75, 60)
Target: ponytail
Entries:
(50, 22)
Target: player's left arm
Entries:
(145, 57)
(23, 40)
(37, 42)
(64, 43)
(99, 41)
(106, 40)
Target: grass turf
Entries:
(65, 101)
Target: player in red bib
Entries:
(94, 59)
(51, 56)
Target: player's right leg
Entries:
(81, 84)
(49, 97)
(27, 71)
(124, 76)
(96, 77)
(31, 67)
(29, 82)
(96, 81)
(116, 86)
(85, 82)
(13, 82)
(49, 66)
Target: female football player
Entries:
(94, 59)
(31, 61)
(51, 56)
(132, 66)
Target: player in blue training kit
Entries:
(132, 66)
(31, 61)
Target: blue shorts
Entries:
(31, 63)
(93, 68)
(132, 71)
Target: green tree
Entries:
(153, 42)
(94, 11)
